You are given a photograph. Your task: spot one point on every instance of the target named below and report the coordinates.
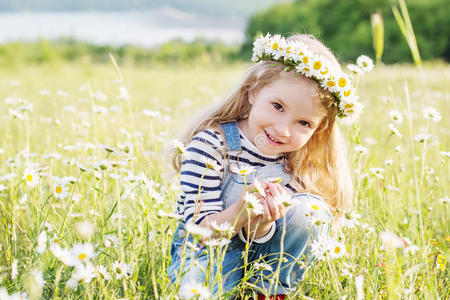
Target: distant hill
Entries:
(229, 9)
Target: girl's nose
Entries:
(283, 130)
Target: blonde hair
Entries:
(320, 166)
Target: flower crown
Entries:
(295, 55)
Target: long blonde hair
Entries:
(319, 167)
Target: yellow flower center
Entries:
(275, 46)
(331, 83)
(118, 270)
(194, 291)
(305, 59)
(29, 177)
(288, 49)
(347, 93)
(349, 105)
(337, 250)
(342, 82)
(317, 65)
(58, 190)
(82, 256)
(325, 71)
(315, 207)
(306, 69)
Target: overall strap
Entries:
(232, 138)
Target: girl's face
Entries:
(284, 115)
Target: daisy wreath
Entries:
(295, 55)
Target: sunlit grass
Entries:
(401, 184)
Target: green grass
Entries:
(406, 201)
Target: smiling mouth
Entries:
(272, 138)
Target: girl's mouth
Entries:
(272, 140)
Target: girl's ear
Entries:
(251, 96)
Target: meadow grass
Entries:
(118, 152)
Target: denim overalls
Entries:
(298, 234)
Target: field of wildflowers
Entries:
(87, 191)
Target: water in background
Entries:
(118, 28)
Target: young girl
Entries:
(274, 140)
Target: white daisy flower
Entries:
(210, 164)
(31, 177)
(164, 214)
(121, 270)
(352, 109)
(82, 253)
(274, 45)
(391, 240)
(319, 247)
(445, 153)
(217, 242)
(378, 172)
(198, 230)
(343, 82)
(98, 95)
(98, 109)
(242, 169)
(123, 93)
(388, 162)
(151, 113)
(103, 273)
(262, 267)
(181, 149)
(83, 274)
(361, 150)
(60, 190)
(330, 83)
(365, 63)
(194, 290)
(224, 227)
(394, 130)
(337, 249)
(42, 242)
(14, 271)
(359, 281)
(258, 187)
(422, 137)
(84, 229)
(444, 200)
(396, 116)
(151, 236)
(431, 113)
(367, 228)
(350, 219)
(253, 204)
(103, 165)
(354, 69)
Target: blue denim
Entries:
(298, 234)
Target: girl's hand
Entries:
(273, 203)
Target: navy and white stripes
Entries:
(200, 185)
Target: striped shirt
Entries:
(208, 145)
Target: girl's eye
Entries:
(278, 106)
(304, 123)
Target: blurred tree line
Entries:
(173, 52)
(345, 26)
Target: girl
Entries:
(273, 148)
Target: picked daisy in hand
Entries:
(242, 169)
(253, 204)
